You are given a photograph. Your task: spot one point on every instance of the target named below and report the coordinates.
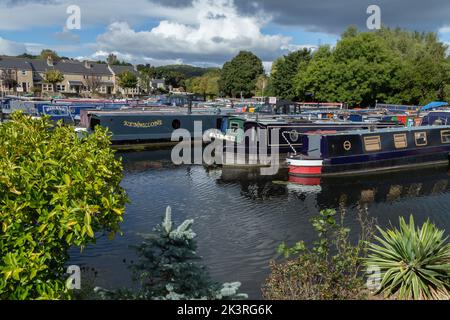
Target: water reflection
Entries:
(241, 217)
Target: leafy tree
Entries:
(261, 85)
(49, 53)
(128, 80)
(414, 263)
(240, 74)
(27, 56)
(57, 191)
(174, 79)
(167, 268)
(284, 71)
(391, 66)
(147, 74)
(206, 85)
(53, 77)
(112, 59)
(8, 79)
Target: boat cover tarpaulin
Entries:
(434, 105)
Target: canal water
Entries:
(241, 217)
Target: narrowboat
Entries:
(365, 151)
(290, 130)
(135, 127)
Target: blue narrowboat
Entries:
(289, 131)
(363, 151)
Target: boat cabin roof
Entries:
(384, 130)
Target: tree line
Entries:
(388, 65)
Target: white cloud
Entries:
(8, 47)
(103, 55)
(217, 31)
(444, 29)
(206, 33)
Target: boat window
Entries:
(421, 139)
(445, 136)
(372, 143)
(400, 141)
(234, 126)
(176, 124)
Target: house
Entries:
(81, 78)
(15, 72)
(158, 84)
(116, 70)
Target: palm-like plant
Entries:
(414, 263)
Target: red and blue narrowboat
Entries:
(365, 151)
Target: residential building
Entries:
(116, 70)
(80, 78)
(158, 84)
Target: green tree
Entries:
(206, 85)
(168, 268)
(284, 71)
(146, 74)
(392, 66)
(57, 190)
(261, 85)
(8, 79)
(112, 59)
(49, 53)
(239, 75)
(53, 77)
(127, 80)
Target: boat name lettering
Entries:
(138, 124)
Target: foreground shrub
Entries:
(168, 268)
(331, 269)
(56, 191)
(414, 263)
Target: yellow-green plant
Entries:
(414, 263)
(56, 191)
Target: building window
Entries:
(372, 143)
(421, 139)
(47, 87)
(24, 72)
(445, 136)
(61, 87)
(400, 141)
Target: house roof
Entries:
(65, 66)
(7, 62)
(120, 69)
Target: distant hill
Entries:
(187, 70)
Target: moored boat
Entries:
(364, 151)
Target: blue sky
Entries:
(200, 32)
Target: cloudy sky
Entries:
(200, 32)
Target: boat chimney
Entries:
(190, 105)
(372, 128)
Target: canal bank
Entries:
(241, 217)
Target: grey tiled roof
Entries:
(65, 66)
(120, 69)
(14, 63)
